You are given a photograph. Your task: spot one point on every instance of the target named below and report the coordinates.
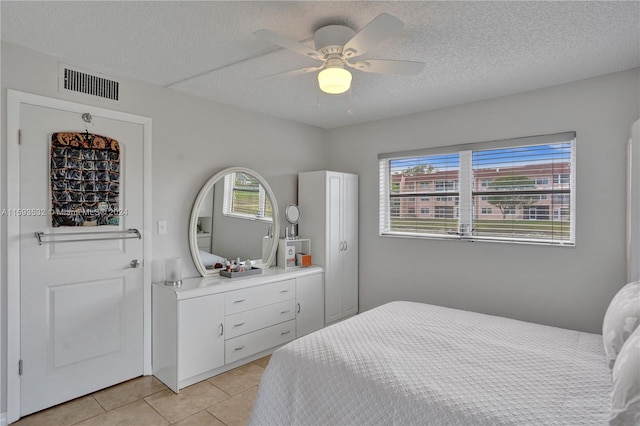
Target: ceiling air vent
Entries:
(76, 80)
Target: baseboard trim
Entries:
(3, 419)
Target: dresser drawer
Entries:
(251, 343)
(255, 297)
(255, 319)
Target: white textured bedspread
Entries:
(408, 363)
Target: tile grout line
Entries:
(92, 417)
(98, 402)
(153, 408)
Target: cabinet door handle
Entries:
(221, 329)
(239, 349)
(238, 325)
(298, 307)
(239, 301)
(284, 291)
(285, 332)
(345, 246)
(285, 312)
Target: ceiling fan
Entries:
(337, 45)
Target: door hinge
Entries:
(20, 368)
(19, 136)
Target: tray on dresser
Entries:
(235, 274)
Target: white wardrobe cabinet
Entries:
(328, 204)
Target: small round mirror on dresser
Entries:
(234, 216)
(292, 214)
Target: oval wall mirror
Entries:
(234, 216)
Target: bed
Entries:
(407, 363)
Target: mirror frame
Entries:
(193, 221)
(287, 214)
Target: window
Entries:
(446, 185)
(541, 181)
(424, 210)
(517, 190)
(444, 212)
(424, 198)
(245, 198)
(561, 199)
(425, 185)
(562, 178)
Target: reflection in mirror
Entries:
(233, 217)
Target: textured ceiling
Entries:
(472, 50)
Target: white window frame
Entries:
(465, 189)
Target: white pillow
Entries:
(625, 394)
(210, 259)
(621, 319)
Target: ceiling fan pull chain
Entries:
(350, 110)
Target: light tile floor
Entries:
(225, 399)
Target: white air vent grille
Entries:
(83, 82)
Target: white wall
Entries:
(192, 139)
(566, 287)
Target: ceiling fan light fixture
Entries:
(334, 80)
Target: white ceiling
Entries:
(472, 50)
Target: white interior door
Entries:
(333, 259)
(81, 305)
(350, 263)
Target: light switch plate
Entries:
(162, 227)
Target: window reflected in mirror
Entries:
(244, 197)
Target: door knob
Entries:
(135, 263)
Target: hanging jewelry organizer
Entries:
(85, 179)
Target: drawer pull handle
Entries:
(239, 349)
(221, 329)
(285, 332)
(239, 325)
(284, 291)
(285, 312)
(239, 301)
(298, 308)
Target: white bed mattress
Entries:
(409, 363)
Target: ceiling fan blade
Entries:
(293, 73)
(287, 43)
(385, 66)
(376, 31)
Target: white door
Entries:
(309, 309)
(334, 247)
(202, 336)
(81, 306)
(350, 263)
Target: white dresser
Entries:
(211, 325)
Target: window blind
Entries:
(516, 190)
